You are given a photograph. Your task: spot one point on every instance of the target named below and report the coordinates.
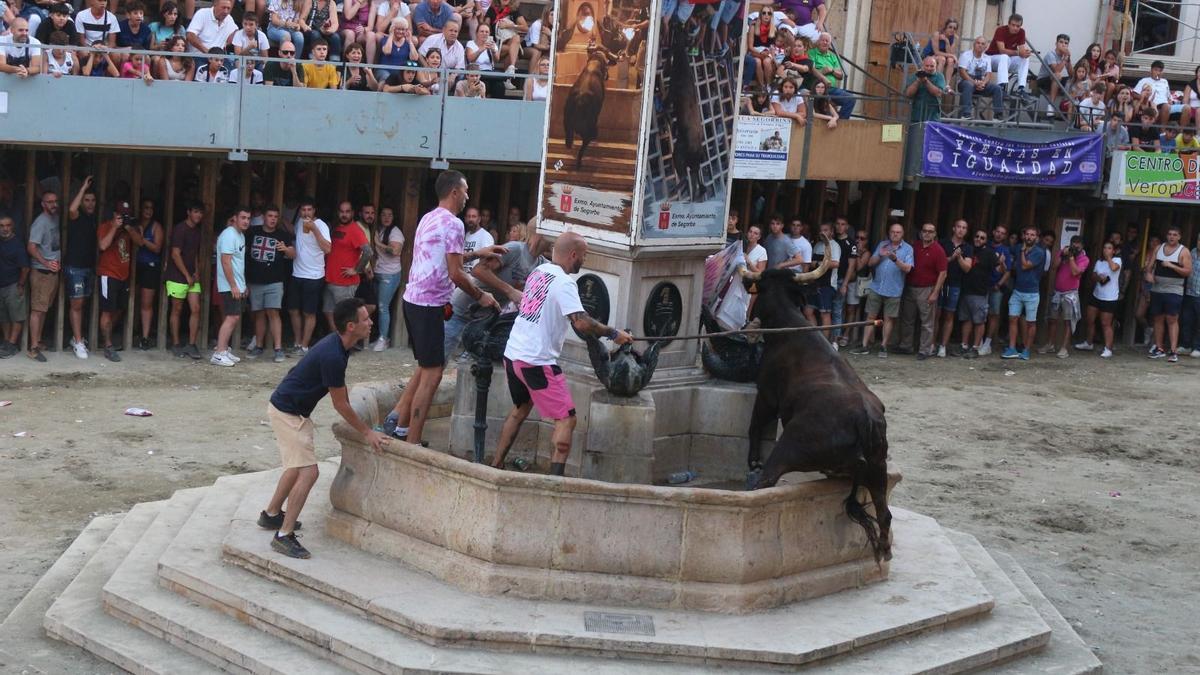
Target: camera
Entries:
(922, 74)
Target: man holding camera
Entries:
(926, 88)
(1065, 309)
(113, 268)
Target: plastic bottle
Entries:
(680, 477)
(521, 464)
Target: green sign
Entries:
(1154, 176)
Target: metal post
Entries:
(30, 190)
(482, 370)
(133, 303)
(168, 228)
(64, 198)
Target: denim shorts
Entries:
(79, 282)
(949, 298)
(825, 298)
(995, 301)
(1026, 303)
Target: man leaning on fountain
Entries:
(321, 371)
(550, 301)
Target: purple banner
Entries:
(967, 155)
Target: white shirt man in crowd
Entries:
(20, 52)
(231, 282)
(1155, 92)
(211, 27)
(550, 302)
(475, 238)
(97, 24)
(453, 54)
(308, 274)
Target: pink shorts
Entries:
(545, 386)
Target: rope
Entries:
(760, 331)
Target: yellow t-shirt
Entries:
(320, 76)
(1185, 146)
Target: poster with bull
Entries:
(687, 164)
(595, 104)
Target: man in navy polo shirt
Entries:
(321, 371)
(1029, 266)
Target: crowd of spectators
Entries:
(267, 267)
(364, 45)
(976, 282)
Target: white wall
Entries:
(1044, 19)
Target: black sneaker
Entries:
(177, 351)
(192, 351)
(390, 422)
(272, 522)
(254, 353)
(111, 354)
(290, 546)
(860, 351)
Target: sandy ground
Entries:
(1085, 471)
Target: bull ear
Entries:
(826, 263)
(745, 273)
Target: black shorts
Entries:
(149, 276)
(1108, 306)
(305, 295)
(366, 292)
(113, 294)
(426, 333)
(1166, 304)
(230, 305)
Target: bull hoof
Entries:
(752, 478)
(887, 556)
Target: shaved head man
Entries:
(549, 303)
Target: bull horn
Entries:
(745, 273)
(826, 263)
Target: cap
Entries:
(122, 208)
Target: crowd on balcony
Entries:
(364, 45)
(992, 290)
(286, 265)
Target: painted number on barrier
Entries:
(424, 142)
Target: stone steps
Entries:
(947, 607)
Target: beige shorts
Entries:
(294, 435)
(43, 289)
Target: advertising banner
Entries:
(1154, 177)
(688, 159)
(968, 155)
(760, 151)
(595, 115)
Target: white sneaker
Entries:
(380, 345)
(1046, 349)
(1196, 353)
(1106, 354)
(941, 353)
(510, 71)
(985, 349)
(1084, 346)
(1150, 339)
(1063, 353)
(230, 355)
(252, 343)
(834, 345)
(80, 349)
(221, 359)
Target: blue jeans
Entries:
(967, 94)
(839, 307)
(277, 35)
(1189, 322)
(454, 328)
(386, 286)
(844, 101)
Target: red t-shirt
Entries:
(114, 260)
(1008, 39)
(347, 241)
(928, 262)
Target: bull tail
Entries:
(855, 510)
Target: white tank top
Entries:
(539, 90)
(171, 72)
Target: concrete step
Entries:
(78, 616)
(26, 646)
(133, 595)
(347, 637)
(930, 586)
(1066, 654)
(608, 149)
(609, 165)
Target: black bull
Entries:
(831, 422)
(581, 112)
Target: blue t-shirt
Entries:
(231, 242)
(422, 14)
(399, 56)
(322, 368)
(888, 279)
(13, 259)
(139, 40)
(1030, 280)
(1002, 250)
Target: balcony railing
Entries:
(239, 118)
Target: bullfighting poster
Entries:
(589, 170)
(688, 157)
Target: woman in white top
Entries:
(175, 66)
(1106, 274)
(756, 259)
(538, 86)
(430, 79)
(789, 103)
(389, 243)
(483, 52)
(1191, 101)
(537, 40)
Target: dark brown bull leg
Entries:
(763, 416)
(876, 482)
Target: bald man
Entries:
(549, 303)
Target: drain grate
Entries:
(607, 622)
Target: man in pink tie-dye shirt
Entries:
(437, 267)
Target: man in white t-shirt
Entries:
(550, 302)
(803, 246)
(474, 239)
(97, 24)
(231, 282)
(308, 274)
(20, 53)
(453, 54)
(826, 286)
(211, 27)
(1154, 91)
(250, 40)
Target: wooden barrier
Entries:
(853, 151)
